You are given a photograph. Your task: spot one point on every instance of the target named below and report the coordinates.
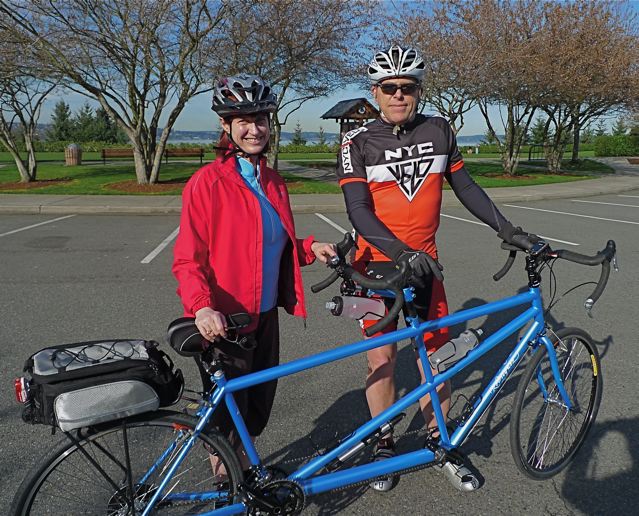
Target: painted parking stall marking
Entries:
(35, 225)
(342, 230)
(333, 224)
(149, 257)
(572, 214)
(607, 203)
(485, 225)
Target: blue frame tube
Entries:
(552, 357)
(337, 479)
(412, 397)
(301, 364)
(323, 483)
(492, 389)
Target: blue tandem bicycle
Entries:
(160, 462)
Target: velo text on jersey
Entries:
(404, 172)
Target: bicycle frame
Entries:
(307, 476)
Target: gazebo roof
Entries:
(352, 108)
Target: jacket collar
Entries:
(228, 169)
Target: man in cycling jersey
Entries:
(391, 171)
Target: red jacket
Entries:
(218, 252)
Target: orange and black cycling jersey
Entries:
(392, 185)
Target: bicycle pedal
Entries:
(454, 456)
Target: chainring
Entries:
(285, 497)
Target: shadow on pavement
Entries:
(350, 411)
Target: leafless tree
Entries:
(592, 52)
(142, 61)
(21, 97)
(450, 61)
(305, 48)
(479, 52)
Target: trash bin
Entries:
(73, 154)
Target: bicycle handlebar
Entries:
(543, 252)
(341, 269)
(603, 258)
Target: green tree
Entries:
(587, 134)
(106, 130)
(619, 128)
(84, 129)
(298, 139)
(600, 130)
(61, 124)
(489, 138)
(538, 132)
(321, 136)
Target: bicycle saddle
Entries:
(184, 337)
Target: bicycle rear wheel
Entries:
(109, 469)
(544, 434)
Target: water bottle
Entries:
(357, 307)
(455, 349)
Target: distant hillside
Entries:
(311, 137)
(211, 136)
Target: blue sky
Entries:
(197, 114)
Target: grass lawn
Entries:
(116, 178)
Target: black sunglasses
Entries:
(390, 88)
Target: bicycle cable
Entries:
(554, 286)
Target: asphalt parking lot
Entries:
(84, 277)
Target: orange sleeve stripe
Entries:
(454, 167)
(352, 180)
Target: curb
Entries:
(300, 203)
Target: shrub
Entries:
(623, 145)
(333, 148)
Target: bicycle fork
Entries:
(554, 365)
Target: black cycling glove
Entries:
(422, 264)
(518, 237)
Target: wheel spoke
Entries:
(71, 483)
(545, 434)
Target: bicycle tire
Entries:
(67, 482)
(544, 436)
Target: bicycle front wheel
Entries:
(116, 469)
(544, 434)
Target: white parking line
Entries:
(464, 220)
(607, 203)
(572, 214)
(485, 225)
(331, 223)
(158, 249)
(342, 230)
(35, 225)
(633, 196)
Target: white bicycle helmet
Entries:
(396, 63)
(243, 95)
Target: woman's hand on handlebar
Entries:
(210, 323)
(323, 251)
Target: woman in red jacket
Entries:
(237, 250)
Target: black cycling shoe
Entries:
(384, 450)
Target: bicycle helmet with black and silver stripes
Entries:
(396, 63)
(243, 95)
